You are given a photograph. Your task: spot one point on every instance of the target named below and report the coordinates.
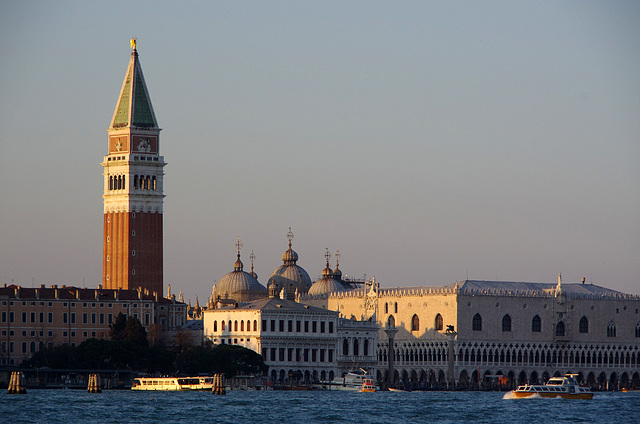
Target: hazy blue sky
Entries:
(430, 141)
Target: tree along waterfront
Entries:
(129, 352)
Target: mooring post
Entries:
(17, 383)
(218, 385)
(94, 384)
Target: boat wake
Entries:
(511, 395)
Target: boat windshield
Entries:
(555, 382)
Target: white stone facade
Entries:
(298, 342)
(132, 197)
(526, 332)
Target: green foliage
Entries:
(125, 354)
(128, 329)
(118, 327)
(228, 359)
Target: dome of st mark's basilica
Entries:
(327, 284)
(238, 285)
(290, 276)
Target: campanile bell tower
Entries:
(133, 194)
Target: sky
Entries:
(430, 142)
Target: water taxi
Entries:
(368, 385)
(557, 387)
(172, 383)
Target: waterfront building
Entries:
(34, 318)
(300, 343)
(479, 333)
(133, 190)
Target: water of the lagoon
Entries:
(302, 407)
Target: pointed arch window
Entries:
(611, 329)
(506, 323)
(391, 322)
(386, 308)
(215, 325)
(439, 323)
(638, 330)
(584, 325)
(415, 323)
(396, 308)
(536, 324)
(560, 329)
(476, 324)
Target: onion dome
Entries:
(289, 257)
(289, 276)
(327, 284)
(240, 285)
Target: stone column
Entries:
(451, 378)
(391, 332)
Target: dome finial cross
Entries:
(238, 245)
(290, 236)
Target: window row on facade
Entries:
(140, 182)
(522, 357)
(275, 326)
(73, 304)
(548, 357)
(438, 323)
(66, 318)
(290, 354)
(355, 347)
(560, 328)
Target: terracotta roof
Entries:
(75, 293)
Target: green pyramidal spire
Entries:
(134, 105)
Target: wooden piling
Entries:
(17, 383)
(94, 384)
(218, 385)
